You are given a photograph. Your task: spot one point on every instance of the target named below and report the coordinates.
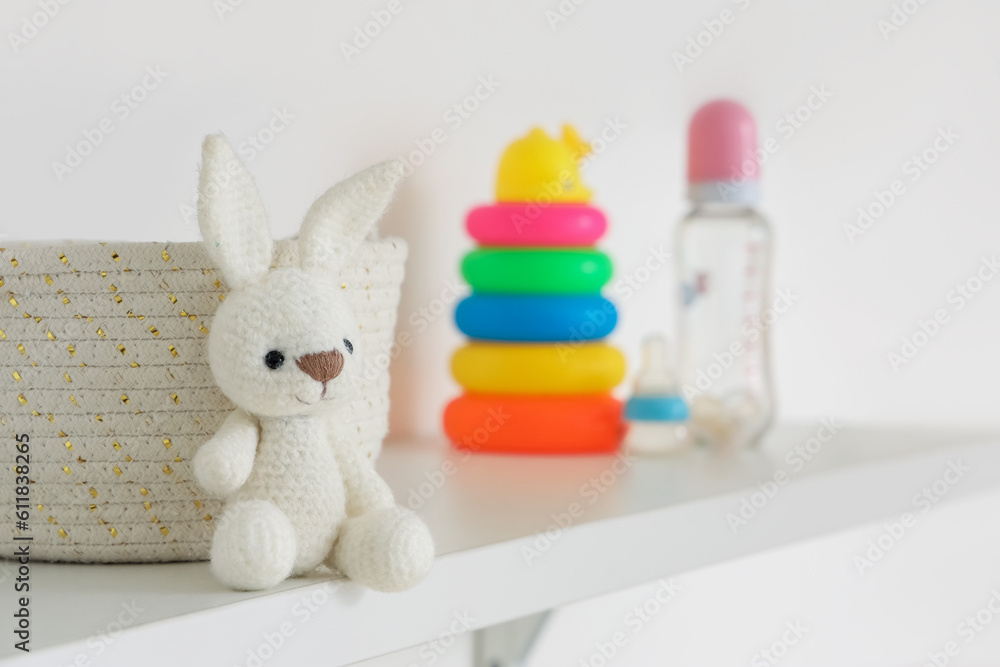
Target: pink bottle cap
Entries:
(723, 165)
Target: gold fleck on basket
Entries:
(102, 365)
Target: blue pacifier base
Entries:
(656, 408)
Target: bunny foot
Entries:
(254, 546)
(388, 549)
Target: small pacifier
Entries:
(656, 415)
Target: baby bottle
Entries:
(723, 255)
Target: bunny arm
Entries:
(365, 489)
(223, 464)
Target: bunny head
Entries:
(284, 340)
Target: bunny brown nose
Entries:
(322, 366)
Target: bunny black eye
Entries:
(274, 359)
(350, 348)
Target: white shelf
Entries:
(658, 518)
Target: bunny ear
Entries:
(231, 215)
(339, 220)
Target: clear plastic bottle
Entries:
(656, 415)
(724, 255)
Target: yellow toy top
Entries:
(537, 168)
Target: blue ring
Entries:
(509, 317)
(656, 409)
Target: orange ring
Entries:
(520, 424)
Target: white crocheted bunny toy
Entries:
(297, 493)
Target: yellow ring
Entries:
(550, 368)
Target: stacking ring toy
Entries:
(535, 317)
(544, 368)
(530, 271)
(530, 224)
(587, 424)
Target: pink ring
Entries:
(530, 224)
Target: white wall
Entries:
(608, 60)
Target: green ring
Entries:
(536, 271)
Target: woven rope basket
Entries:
(102, 365)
